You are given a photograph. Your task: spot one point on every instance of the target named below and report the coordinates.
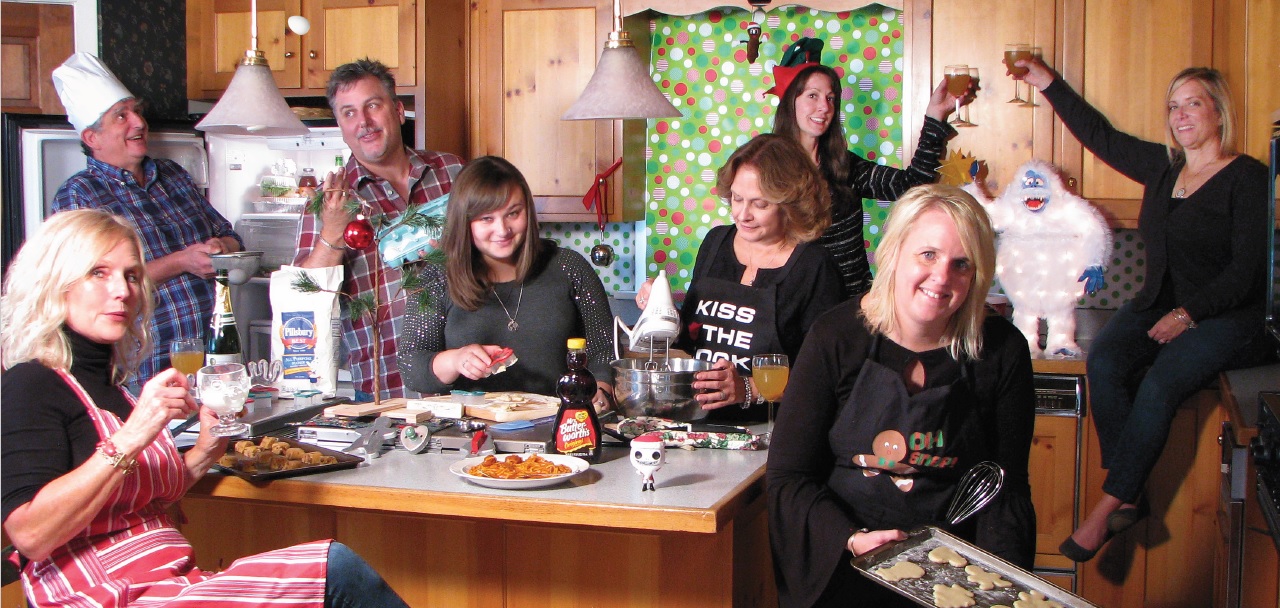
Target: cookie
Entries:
(953, 596)
(986, 580)
(1034, 599)
(946, 555)
(899, 571)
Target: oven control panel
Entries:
(1265, 449)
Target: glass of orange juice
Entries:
(958, 78)
(770, 372)
(1012, 54)
(187, 356)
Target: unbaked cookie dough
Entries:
(953, 596)
(1035, 599)
(986, 580)
(947, 555)
(899, 571)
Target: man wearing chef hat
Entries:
(386, 173)
(178, 226)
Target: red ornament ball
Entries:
(359, 234)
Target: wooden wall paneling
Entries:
(917, 17)
(442, 111)
(430, 561)
(36, 38)
(222, 531)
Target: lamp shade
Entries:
(621, 87)
(252, 105)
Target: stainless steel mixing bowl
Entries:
(661, 388)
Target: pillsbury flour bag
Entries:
(306, 329)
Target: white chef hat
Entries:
(87, 89)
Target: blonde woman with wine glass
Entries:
(895, 394)
(1201, 307)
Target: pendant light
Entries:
(621, 86)
(252, 104)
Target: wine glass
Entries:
(187, 356)
(1012, 54)
(958, 79)
(223, 389)
(1030, 101)
(770, 373)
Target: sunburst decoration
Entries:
(959, 169)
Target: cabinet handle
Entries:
(288, 54)
(312, 54)
(1071, 185)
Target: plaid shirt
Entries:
(170, 215)
(430, 176)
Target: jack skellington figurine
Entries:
(648, 453)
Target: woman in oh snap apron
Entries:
(893, 397)
(90, 473)
(758, 284)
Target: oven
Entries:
(1232, 490)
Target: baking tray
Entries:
(345, 461)
(916, 549)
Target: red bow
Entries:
(599, 191)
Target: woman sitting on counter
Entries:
(1201, 308)
(765, 266)
(504, 287)
(89, 472)
(852, 463)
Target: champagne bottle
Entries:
(223, 345)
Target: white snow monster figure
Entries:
(1052, 247)
(648, 453)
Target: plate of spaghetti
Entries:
(519, 471)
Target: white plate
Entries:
(575, 464)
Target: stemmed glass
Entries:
(1012, 54)
(958, 78)
(187, 356)
(223, 389)
(1030, 101)
(770, 373)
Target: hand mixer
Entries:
(976, 488)
(658, 325)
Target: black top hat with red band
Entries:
(803, 53)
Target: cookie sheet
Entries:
(916, 549)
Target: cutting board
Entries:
(356, 410)
(508, 406)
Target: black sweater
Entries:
(45, 429)
(1212, 246)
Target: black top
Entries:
(868, 179)
(45, 429)
(1212, 245)
(809, 288)
(809, 525)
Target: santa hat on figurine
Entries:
(87, 89)
(803, 53)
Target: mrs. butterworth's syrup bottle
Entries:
(577, 431)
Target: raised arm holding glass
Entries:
(90, 472)
(1201, 307)
(855, 457)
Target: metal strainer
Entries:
(976, 488)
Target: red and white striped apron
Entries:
(131, 554)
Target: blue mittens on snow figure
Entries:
(1093, 279)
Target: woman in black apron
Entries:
(759, 283)
(893, 397)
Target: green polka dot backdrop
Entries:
(581, 237)
(700, 63)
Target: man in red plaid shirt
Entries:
(389, 176)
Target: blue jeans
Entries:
(1133, 424)
(353, 583)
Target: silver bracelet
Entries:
(320, 237)
(747, 398)
(1180, 314)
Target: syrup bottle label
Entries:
(575, 434)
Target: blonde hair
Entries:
(60, 254)
(1220, 93)
(964, 330)
(788, 179)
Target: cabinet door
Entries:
(532, 60)
(219, 33)
(37, 38)
(346, 30)
(1053, 486)
(974, 33)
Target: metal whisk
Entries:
(976, 488)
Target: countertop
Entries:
(697, 491)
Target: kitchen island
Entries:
(596, 540)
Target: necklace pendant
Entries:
(512, 325)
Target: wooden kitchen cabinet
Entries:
(530, 59)
(1053, 472)
(36, 39)
(218, 33)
